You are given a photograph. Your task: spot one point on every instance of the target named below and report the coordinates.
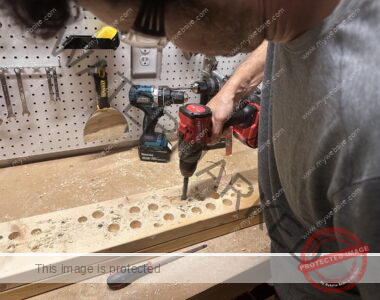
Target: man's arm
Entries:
(243, 82)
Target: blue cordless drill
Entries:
(152, 100)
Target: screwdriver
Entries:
(121, 280)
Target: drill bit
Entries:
(184, 189)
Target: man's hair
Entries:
(52, 14)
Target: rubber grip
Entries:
(243, 118)
(101, 86)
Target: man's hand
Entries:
(244, 81)
(222, 106)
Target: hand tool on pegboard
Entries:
(55, 79)
(8, 103)
(121, 280)
(152, 101)
(25, 110)
(195, 128)
(106, 123)
(106, 37)
(49, 75)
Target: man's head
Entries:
(201, 26)
(213, 27)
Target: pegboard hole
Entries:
(82, 219)
(14, 235)
(36, 231)
(134, 210)
(168, 217)
(113, 227)
(135, 224)
(97, 214)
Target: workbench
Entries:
(59, 185)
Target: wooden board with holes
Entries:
(145, 220)
(102, 228)
(141, 220)
(134, 223)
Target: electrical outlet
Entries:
(145, 51)
(145, 62)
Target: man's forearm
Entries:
(248, 75)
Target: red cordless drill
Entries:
(195, 127)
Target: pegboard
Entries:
(56, 127)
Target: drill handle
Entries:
(151, 117)
(242, 118)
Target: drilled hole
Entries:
(98, 214)
(153, 207)
(210, 206)
(135, 224)
(168, 217)
(227, 202)
(134, 210)
(14, 235)
(36, 231)
(214, 195)
(196, 210)
(113, 227)
(157, 225)
(82, 219)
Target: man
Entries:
(320, 91)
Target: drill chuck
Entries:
(166, 96)
(209, 86)
(155, 96)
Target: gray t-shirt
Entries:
(319, 140)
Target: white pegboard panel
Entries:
(57, 127)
